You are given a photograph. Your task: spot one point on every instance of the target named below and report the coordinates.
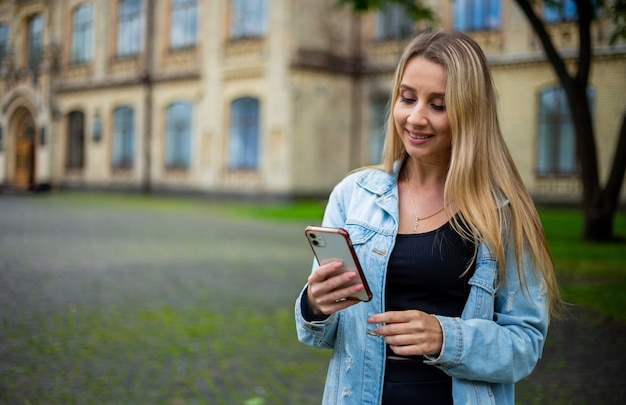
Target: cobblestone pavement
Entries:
(62, 256)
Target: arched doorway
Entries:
(25, 136)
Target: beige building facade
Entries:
(260, 97)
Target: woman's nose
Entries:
(417, 116)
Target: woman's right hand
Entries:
(327, 289)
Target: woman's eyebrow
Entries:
(409, 88)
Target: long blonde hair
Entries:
(482, 175)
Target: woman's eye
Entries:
(406, 99)
(438, 107)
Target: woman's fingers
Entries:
(409, 332)
(328, 289)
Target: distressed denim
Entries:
(496, 342)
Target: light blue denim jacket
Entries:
(496, 342)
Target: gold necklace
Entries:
(417, 219)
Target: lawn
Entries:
(110, 299)
(591, 274)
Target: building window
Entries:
(248, 18)
(75, 140)
(130, 27)
(561, 11)
(35, 41)
(184, 25)
(394, 23)
(477, 15)
(82, 34)
(178, 136)
(4, 41)
(123, 137)
(556, 146)
(244, 134)
(378, 123)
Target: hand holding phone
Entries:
(334, 245)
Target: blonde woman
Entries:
(451, 245)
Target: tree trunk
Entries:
(598, 226)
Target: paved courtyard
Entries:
(145, 302)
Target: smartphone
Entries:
(333, 244)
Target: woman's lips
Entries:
(419, 136)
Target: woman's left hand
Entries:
(409, 333)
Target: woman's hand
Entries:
(409, 333)
(327, 289)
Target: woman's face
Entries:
(420, 113)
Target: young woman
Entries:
(450, 243)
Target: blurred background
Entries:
(159, 160)
(279, 97)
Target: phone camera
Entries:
(313, 236)
(316, 243)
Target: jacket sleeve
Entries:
(321, 333)
(501, 338)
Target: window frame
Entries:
(379, 113)
(184, 19)
(123, 139)
(478, 20)
(178, 141)
(567, 11)
(245, 23)
(556, 134)
(4, 40)
(75, 148)
(130, 28)
(244, 134)
(394, 23)
(34, 41)
(82, 50)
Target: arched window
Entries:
(123, 138)
(556, 144)
(82, 34)
(74, 158)
(184, 23)
(178, 135)
(243, 149)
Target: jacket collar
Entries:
(378, 181)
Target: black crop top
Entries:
(425, 272)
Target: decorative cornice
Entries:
(135, 81)
(602, 52)
(327, 62)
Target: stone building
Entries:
(262, 97)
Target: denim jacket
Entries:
(496, 342)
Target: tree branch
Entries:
(548, 46)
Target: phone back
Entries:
(333, 244)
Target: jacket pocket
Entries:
(481, 300)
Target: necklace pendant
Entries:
(417, 223)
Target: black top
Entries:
(425, 272)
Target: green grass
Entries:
(185, 349)
(591, 274)
(292, 210)
(194, 355)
